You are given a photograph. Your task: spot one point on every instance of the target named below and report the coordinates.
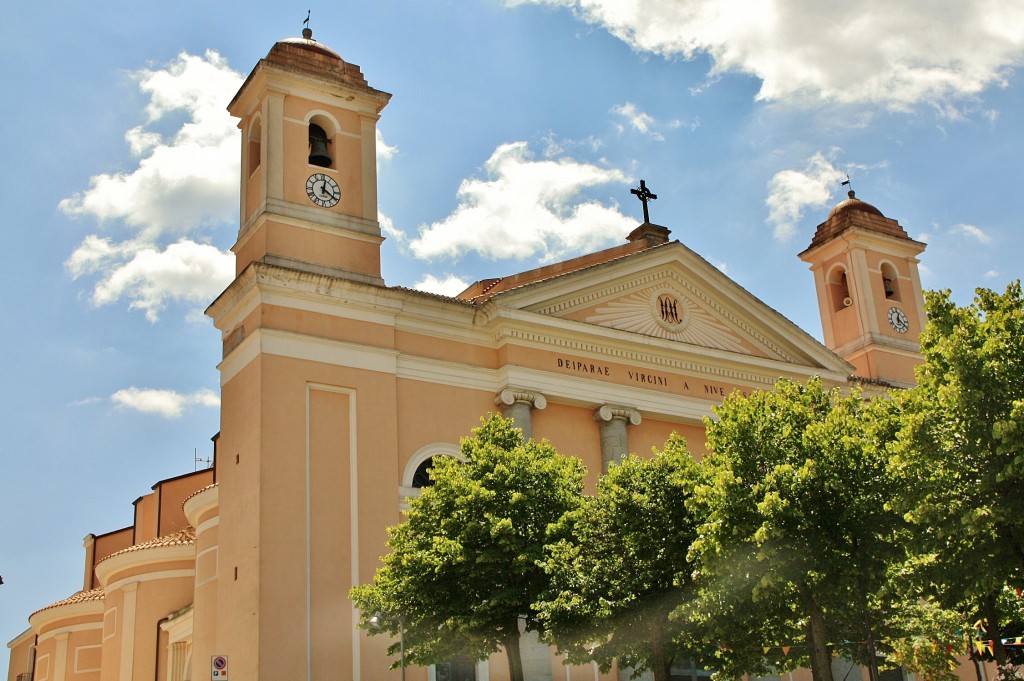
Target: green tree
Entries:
(621, 569)
(960, 455)
(797, 539)
(464, 568)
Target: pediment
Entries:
(671, 294)
(666, 310)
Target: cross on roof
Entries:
(645, 195)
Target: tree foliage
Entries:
(464, 568)
(960, 455)
(797, 539)
(621, 568)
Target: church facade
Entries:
(337, 391)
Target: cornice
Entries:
(866, 239)
(603, 342)
(307, 217)
(200, 502)
(49, 616)
(361, 99)
(152, 556)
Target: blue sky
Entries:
(515, 132)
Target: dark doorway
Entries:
(459, 669)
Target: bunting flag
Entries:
(979, 645)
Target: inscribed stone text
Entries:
(649, 379)
(642, 377)
(582, 367)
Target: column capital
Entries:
(608, 412)
(510, 395)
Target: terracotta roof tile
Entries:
(198, 491)
(179, 538)
(79, 597)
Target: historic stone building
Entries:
(337, 390)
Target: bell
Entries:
(318, 153)
(318, 147)
(888, 287)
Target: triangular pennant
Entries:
(766, 649)
(785, 650)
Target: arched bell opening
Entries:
(255, 145)
(319, 146)
(890, 282)
(839, 289)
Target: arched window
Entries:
(318, 143)
(890, 282)
(255, 137)
(417, 469)
(839, 289)
(421, 478)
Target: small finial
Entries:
(307, 32)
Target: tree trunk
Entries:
(515, 660)
(1005, 671)
(869, 630)
(661, 664)
(817, 637)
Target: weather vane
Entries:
(306, 22)
(645, 195)
(847, 184)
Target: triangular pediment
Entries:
(666, 309)
(671, 294)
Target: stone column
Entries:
(612, 421)
(517, 404)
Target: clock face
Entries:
(898, 320)
(323, 190)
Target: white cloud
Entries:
(388, 229)
(992, 274)
(895, 53)
(449, 286)
(166, 403)
(974, 233)
(525, 208)
(385, 151)
(639, 120)
(151, 277)
(183, 183)
(791, 191)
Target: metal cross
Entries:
(645, 195)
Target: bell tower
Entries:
(309, 167)
(869, 291)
